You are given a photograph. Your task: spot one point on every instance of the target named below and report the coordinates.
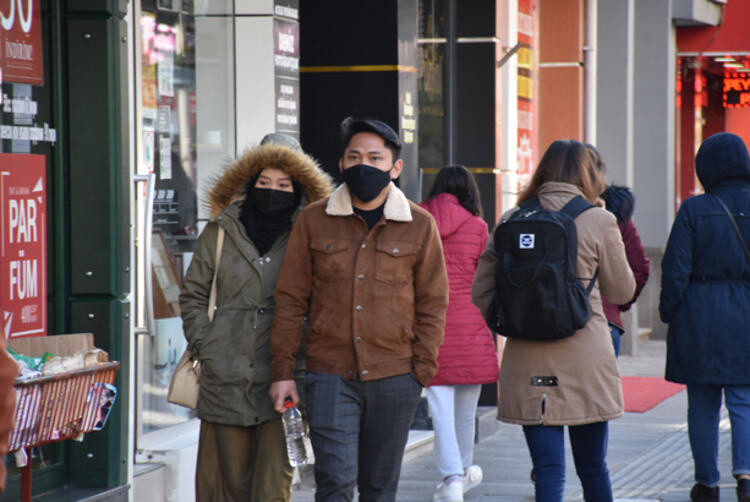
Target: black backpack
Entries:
(537, 293)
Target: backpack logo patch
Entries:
(526, 241)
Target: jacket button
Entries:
(361, 277)
(358, 340)
(359, 308)
(364, 372)
(364, 245)
(395, 250)
(268, 259)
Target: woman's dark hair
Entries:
(567, 161)
(458, 181)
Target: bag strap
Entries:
(593, 281)
(532, 203)
(576, 206)
(217, 260)
(573, 208)
(736, 228)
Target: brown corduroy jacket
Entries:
(376, 299)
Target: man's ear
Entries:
(398, 166)
(341, 165)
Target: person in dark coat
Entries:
(705, 299)
(620, 201)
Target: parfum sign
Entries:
(23, 245)
(21, 42)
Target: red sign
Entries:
(23, 245)
(21, 42)
(736, 90)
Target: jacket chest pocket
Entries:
(394, 262)
(329, 259)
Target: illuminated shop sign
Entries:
(736, 92)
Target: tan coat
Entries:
(377, 298)
(588, 388)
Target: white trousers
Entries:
(453, 409)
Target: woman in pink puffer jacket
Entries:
(468, 357)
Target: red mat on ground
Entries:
(643, 393)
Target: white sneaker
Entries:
(472, 477)
(449, 492)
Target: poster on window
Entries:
(21, 56)
(23, 245)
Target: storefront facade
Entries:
(119, 113)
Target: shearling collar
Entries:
(396, 205)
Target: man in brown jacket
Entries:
(367, 264)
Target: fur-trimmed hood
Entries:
(230, 185)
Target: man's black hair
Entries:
(351, 126)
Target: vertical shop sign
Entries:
(286, 66)
(21, 55)
(23, 245)
(525, 92)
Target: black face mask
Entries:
(271, 202)
(366, 182)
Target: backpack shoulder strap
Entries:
(532, 203)
(576, 206)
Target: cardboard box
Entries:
(57, 345)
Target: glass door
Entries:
(185, 130)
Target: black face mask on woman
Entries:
(366, 182)
(270, 202)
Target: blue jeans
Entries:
(589, 444)
(616, 337)
(704, 406)
(358, 432)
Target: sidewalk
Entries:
(649, 454)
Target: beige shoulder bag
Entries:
(185, 383)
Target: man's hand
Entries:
(280, 391)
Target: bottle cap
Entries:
(288, 403)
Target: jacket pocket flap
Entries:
(329, 246)
(397, 248)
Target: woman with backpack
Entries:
(705, 299)
(467, 357)
(572, 381)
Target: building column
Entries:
(614, 104)
(267, 38)
(654, 143)
(560, 71)
(359, 59)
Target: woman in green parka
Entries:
(241, 450)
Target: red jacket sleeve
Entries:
(637, 259)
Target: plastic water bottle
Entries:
(298, 445)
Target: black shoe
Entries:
(703, 493)
(743, 490)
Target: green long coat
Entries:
(234, 349)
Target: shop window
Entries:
(186, 133)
